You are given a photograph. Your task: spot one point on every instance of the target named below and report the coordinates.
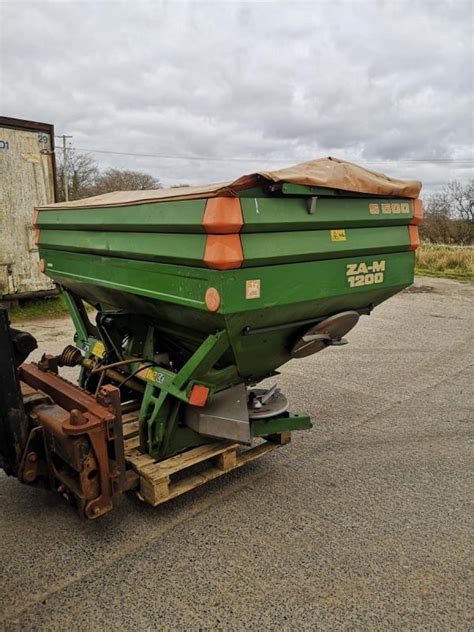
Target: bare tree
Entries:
(461, 197)
(82, 172)
(456, 200)
(449, 214)
(124, 180)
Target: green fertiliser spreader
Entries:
(183, 300)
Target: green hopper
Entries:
(202, 292)
(183, 300)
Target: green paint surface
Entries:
(260, 214)
(143, 265)
(283, 214)
(174, 297)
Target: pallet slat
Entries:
(131, 416)
(156, 483)
(130, 430)
(130, 424)
(184, 460)
(131, 444)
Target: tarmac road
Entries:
(364, 522)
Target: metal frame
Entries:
(74, 431)
(164, 391)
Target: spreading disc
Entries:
(324, 334)
(264, 402)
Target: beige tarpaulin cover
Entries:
(325, 172)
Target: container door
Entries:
(26, 181)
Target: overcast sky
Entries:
(384, 83)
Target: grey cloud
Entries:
(371, 81)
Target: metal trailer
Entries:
(27, 180)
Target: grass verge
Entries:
(451, 262)
(39, 308)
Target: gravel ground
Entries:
(362, 523)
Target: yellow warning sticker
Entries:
(338, 235)
(98, 349)
(148, 374)
(374, 209)
(153, 375)
(252, 288)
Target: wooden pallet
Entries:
(158, 479)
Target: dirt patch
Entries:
(419, 289)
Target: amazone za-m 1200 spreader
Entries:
(199, 293)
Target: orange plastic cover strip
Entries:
(414, 236)
(417, 212)
(223, 252)
(223, 215)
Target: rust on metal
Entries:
(76, 441)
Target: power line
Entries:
(277, 160)
(260, 159)
(210, 158)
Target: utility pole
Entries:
(65, 170)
